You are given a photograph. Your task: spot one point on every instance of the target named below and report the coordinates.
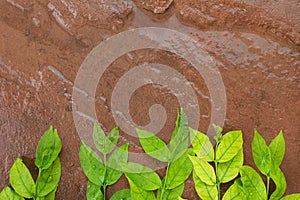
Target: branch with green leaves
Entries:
(268, 160)
(48, 163)
(143, 180)
(106, 172)
(212, 167)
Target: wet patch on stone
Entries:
(156, 6)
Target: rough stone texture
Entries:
(156, 6)
(228, 14)
(289, 10)
(20, 4)
(72, 15)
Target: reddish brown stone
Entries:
(39, 60)
(231, 14)
(156, 6)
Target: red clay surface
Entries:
(42, 44)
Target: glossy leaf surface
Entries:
(229, 146)
(91, 164)
(154, 146)
(261, 153)
(202, 145)
(48, 149)
(48, 179)
(21, 179)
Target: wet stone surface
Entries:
(156, 6)
(72, 15)
(43, 43)
(240, 15)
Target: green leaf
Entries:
(142, 176)
(21, 179)
(153, 146)
(277, 148)
(252, 183)
(235, 192)
(202, 145)
(218, 135)
(180, 198)
(114, 170)
(205, 192)
(50, 196)
(105, 144)
(229, 146)
(292, 197)
(8, 194)
(91, 164)
(122, 195)
(180, 122)
(280, 182)
(227, 171)
(93, 192)
(48, 149)
(261, 153)
(203, 170)
(179, 171)
(170, 194)
(48, 179)
(137, 193)
(179, 141)
(99, 137)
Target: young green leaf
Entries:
(21, 179)
(202, 145)
(48, 149)
(252, 183)
(99, 137)
(48, 179)
(261, 153)
(203, 170)
(205, 192)
(137, 193)
(229, 146)
(235, 192)
(111, 140)
(121, 195)
(179, 171)
(229, 170)
(114, 171)
(292, 197)
(50, 196)
(179, 141)
(218, 135)
(93, 192)
(153, 146)
(91, 164)
(280, 182)
(277, 148)
(8, 194)
(181, 122)
(172, 193)
(105, 144)
(142, 176)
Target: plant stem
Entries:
(216, 168)
(217, 179)
(39, 175)
(104, 181)
(164, 185)
(268, 185)
(104, 191)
